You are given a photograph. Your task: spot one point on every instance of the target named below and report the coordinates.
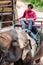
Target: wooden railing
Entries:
(7, 9)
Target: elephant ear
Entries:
(5, 40)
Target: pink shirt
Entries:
(29, 14)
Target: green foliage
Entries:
(26, 0)
(32, 1)
(37, 3)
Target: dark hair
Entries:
(30, 5)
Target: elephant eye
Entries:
(14, 41)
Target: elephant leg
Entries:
(28, 63)
(11, 64)
(7, 63)
(19, 62)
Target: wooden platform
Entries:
(6, 12)
(5, 6)
(5, 2)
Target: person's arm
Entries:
(22, 16)
(34, 16)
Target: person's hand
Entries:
(29, 19)
(16, 19)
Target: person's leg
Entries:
(23, 24)
(30, 23)
(35, 37)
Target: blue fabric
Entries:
(35, 37)
(29, 28)
(23, 24)
(30, 23)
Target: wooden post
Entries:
(16, 14)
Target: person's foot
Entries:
(26, 30)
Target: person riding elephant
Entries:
(30, 17)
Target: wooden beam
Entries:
(5, 2)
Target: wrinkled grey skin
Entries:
(15, 53)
